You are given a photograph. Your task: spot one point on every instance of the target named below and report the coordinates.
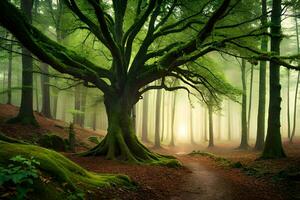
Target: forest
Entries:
(149, 99)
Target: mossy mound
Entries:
(65, 178)
(51, 141)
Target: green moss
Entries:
(65, 176)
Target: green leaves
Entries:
(19, 175)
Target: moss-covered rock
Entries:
(52, 142)
(63, 177)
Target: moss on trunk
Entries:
(121, 142)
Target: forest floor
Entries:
(201, 177)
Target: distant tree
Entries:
(260, 132)
(158, 124)
(250, 100)
(244, 136)
(145, 117)
(297, 83)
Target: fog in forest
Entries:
(150, 99)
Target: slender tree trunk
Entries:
(260, 132)
(273, 147)
(229, 121)
(288, 104)
(297, 85)
(77, 102)
(250, 100)
(9, 74)
(25, 115)
(172, 142)
(54, 95)
(162, 117)
(46, 109)
(145, 117)
(191, 126)
(244, 138)
(82, 104)
(219, 126)
(36, 92)
(157, 119)
(210, 126)
(205, 125)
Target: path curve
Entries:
(203, 184)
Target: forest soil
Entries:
(46, 126)
(200, 179)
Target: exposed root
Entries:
(116, 148)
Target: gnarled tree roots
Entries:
(116, 147)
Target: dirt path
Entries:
(208, 181)
(200, 179)
(203, 183)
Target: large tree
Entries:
(145, 41)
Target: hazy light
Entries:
(182, 135)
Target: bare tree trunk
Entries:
(205, 125)
(145, 117)
(9, 74)
(288, 104)
(36, 92)
(250, 100)
(25, 115)
(157, 119)
(244, 138)
(172, 142)
(260, 132)
(46, 108)
(210, 126)
(229, 121)
(191, 126)
(297, 85)
(273, 146)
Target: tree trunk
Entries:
(46, 109)
(157, 119)
(250, 100)
(273, 147)
(121, 142)
(82, 104)
(25, 115)
(35, 76)
(191, 126)
(288, 104)
(244, 138)
(77, 100)
(172, 142)
(9, 74)
(260, 132)
(162, 118)
(145, 118)
(297, 85)
(210, 126)
(295, 109)
(229, 121)
(133, 113)
(205, 135)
